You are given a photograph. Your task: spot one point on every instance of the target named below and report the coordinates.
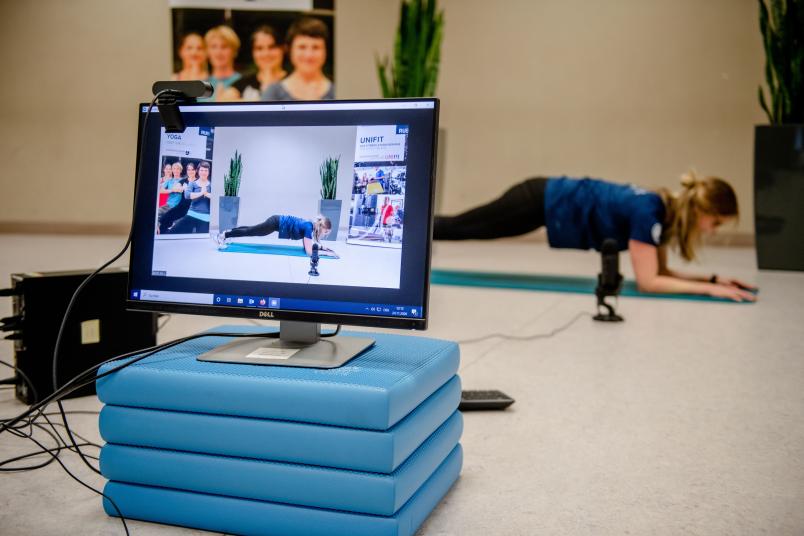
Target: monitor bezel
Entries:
(320, 317)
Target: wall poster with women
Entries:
(256, 49)
(185, 183)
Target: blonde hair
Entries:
(320, 222)
(708, 195)
(225, 33)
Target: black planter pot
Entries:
(779, 196)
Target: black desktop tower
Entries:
(99, 327)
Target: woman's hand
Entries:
(727, 282)
(731, 293)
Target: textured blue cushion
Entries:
(249, 517)
(375, 390)
(266, 439)
(303, 485)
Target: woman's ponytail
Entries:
(709, 195)
(320, 222)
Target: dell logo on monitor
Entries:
(266, 314)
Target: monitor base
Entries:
(298, 345)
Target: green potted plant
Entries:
(229, 202)
(328, 205)
(779, 147)
(417, 52)
(413, 71)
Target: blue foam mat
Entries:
(249, 517)
(549, 283)
(302, 485)
(267, 249)
(375, 390)
(294, 442)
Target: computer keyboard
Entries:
(484, 400)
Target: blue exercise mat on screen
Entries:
(268, 249)
(375, 390)
(246, 516)
(548, 283)
(303, 485)
(294, 442)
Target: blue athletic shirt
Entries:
(295, 228)
(582, 213)
(174, 198)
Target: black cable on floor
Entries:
(525, 337)
(24, 377)
(56, 458)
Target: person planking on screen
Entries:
(289, 227)
(582, 213)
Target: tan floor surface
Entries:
(688, 418)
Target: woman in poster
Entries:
(222, 47)
(307, 41)
(193, 54)
(167, 175)
(268, 54)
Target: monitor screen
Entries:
(316, 212)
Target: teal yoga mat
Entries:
(268, 249)
(548, 283)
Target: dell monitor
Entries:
(301, 212)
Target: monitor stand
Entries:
(299, 345)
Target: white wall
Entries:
(74, 73)
(281, 169)
(629, 90)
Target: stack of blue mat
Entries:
(366, 449)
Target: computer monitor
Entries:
(303, 212)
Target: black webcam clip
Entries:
(172, 94)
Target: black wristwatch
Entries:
(713, 279)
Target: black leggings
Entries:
(271, 225)
(516, 212)
(189, 224)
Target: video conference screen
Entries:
(314, 208)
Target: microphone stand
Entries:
(610, 315)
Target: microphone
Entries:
(609, 280)
(314, 257)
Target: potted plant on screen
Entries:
(779, 147)
(329, 206)
(229, 202)
(412, 71)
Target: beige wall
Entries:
(629, 90)
(75, 71)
